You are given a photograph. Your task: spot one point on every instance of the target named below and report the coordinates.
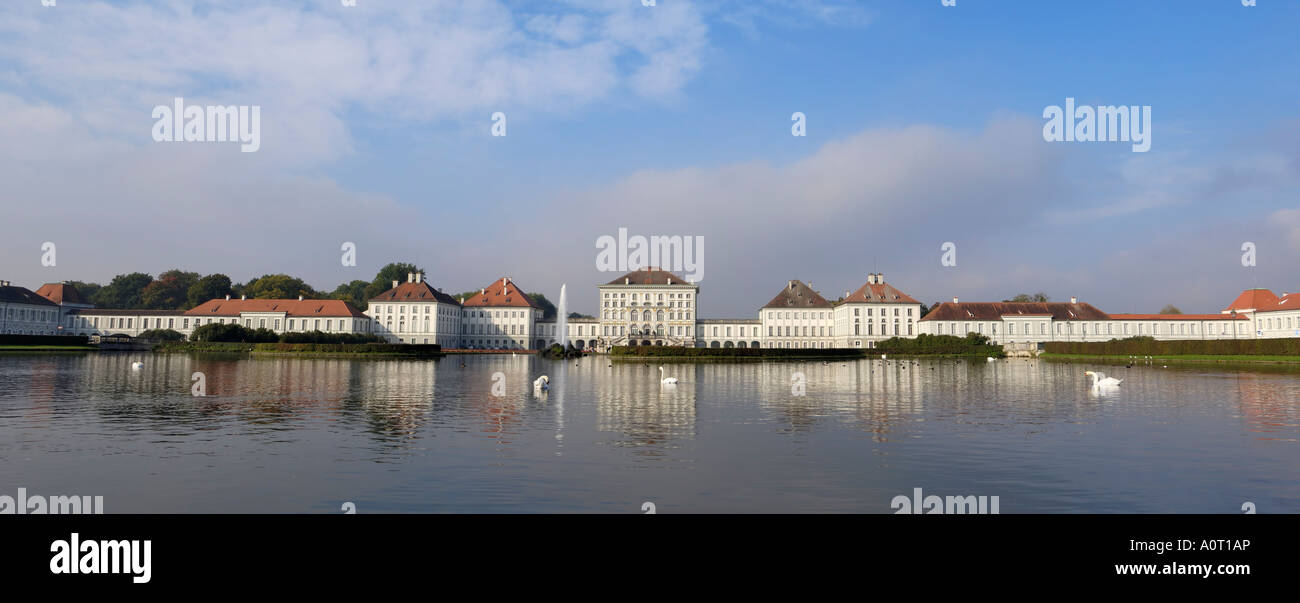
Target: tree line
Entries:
(182, 290)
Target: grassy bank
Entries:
(1211, 348)
(973, 345)
(45, 348)
(729, 354)
(304, 349)
(1167, 358)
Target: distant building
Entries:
(24, 312)
(416, 312)
(648, 307)
(502, 316)
(876, 311)
(798, 317)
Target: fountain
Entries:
(562, 320)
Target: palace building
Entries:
(24, 312)
(653, 307)
(415, 312)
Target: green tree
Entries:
(353, 292)
(87, 290)
(548, 308)
(169, 291)
(1170, 309)
(212, 286)
(124, 292)
(1039, 297)
(278, 286)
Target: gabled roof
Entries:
(1252, 299)
(797, 295)
(1177, 317)
(414, 292)
(61, 293)
(877, 293)
(649, 276)
(108, 312)
(502, 293)
(22, 295)
(305, 308)
(996, 310)
(1288, 301)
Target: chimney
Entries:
(791, 284)
(880, 278)
(954, 299)
(670, 281)
(243, 298)
(227, 297)
(1074, 300)
(410, 277)
(395, 284)
(627, 281)
(847, 293)
(299, 298)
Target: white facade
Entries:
(648, 307)
(415, 312)
(23, 312)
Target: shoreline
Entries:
(1178, 358)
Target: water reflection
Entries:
(727, 437)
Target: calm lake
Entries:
(307, 435)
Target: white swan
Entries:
(666, 380)
(542, 383)
(137, 365)
(1100, 380)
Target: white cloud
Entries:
(309, 63)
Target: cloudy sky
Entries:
(924, 126)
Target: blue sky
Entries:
(924, 126)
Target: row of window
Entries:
(24, 315)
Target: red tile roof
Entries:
(414, 292)
(1288, 301)
(996, 310)
(502, 293)
(1177, 317)
(649, 276)
(61, 293)
(876, 293)
(797, 295)
(1252, 299)
(291, 307)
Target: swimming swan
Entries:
(667, 380)
(1101, 380)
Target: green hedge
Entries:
(682, 352)
(1147, 346)
(161, 335)
(390, 349)
(973, 344)
(233, 333)
(60, 340)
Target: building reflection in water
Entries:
(1268, 405)
(649, 417)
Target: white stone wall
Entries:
(861, 325)
(417, 322)
(797, 328)
(666, 312)
(28, 319)
(509, 327)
